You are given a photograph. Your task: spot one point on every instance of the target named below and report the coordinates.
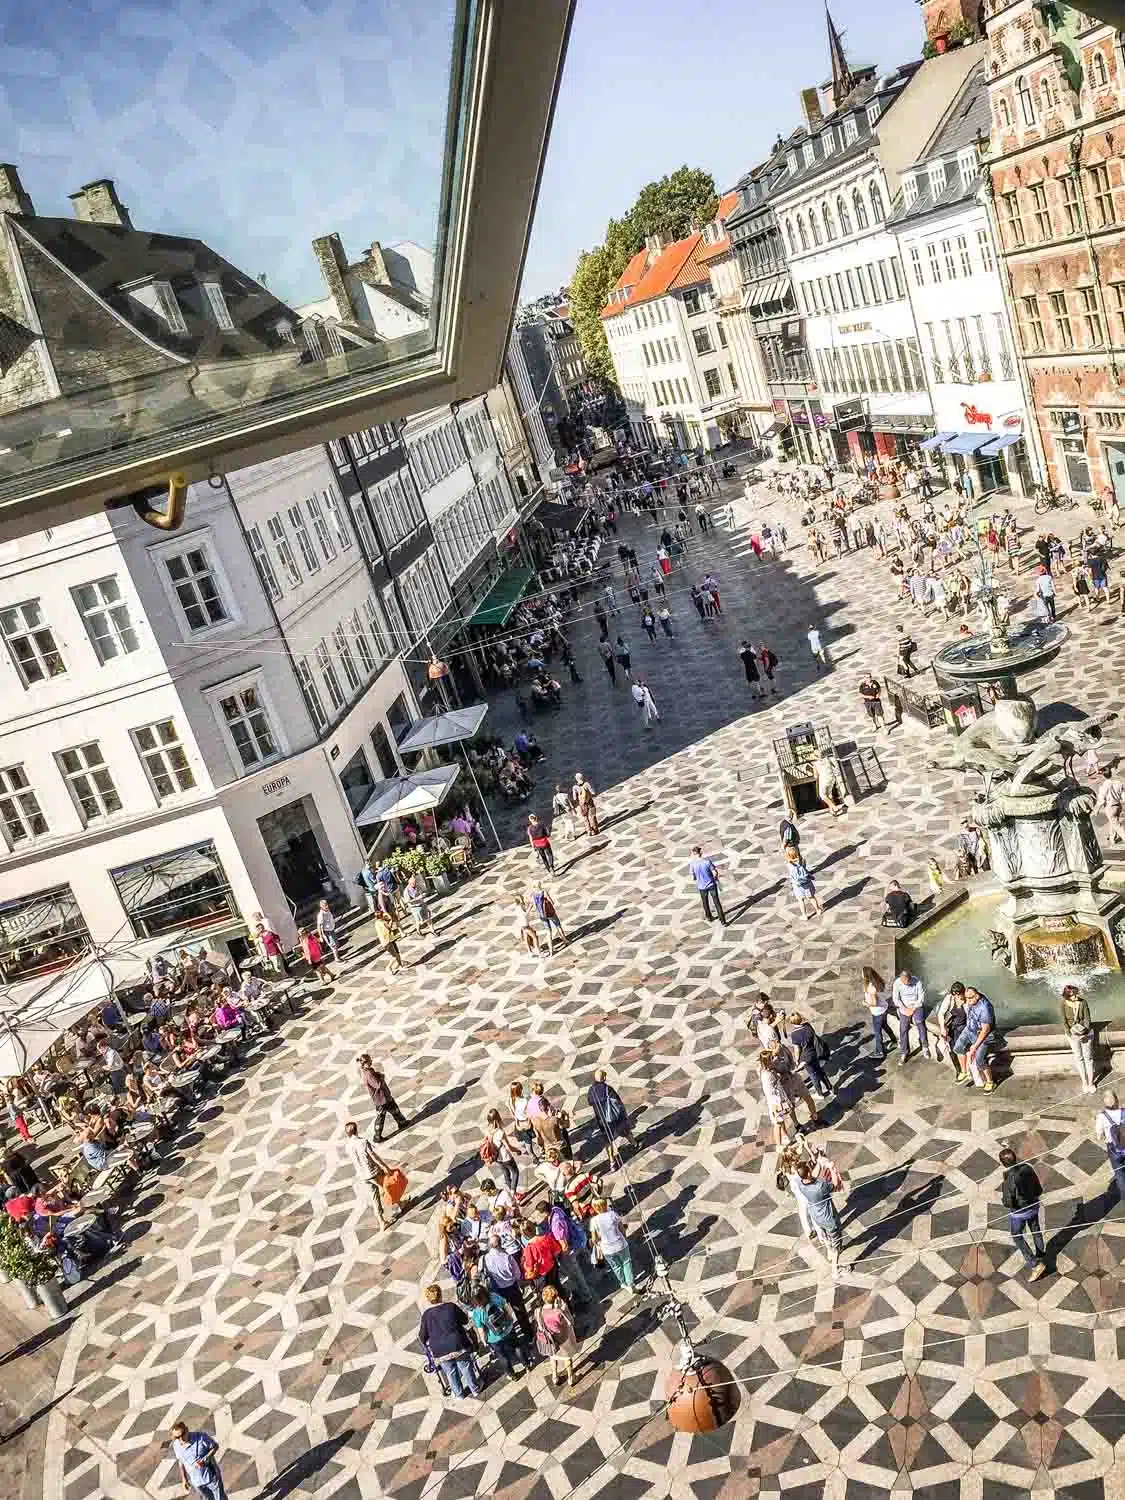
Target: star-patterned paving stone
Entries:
(261, 1299)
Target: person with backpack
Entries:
(539, 1261)
(1020, 1193)
(493, 1320)
(540, 841)
(555, 1337)
(502, 1268)
(610, 1113)
(1109, 1129)
(571, 1237)
(496, 1149)
(817, 1192)
(548, 914)
(810, 1051)
(768, 662)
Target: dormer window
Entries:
(937, 179)
(968, 166)
(792, 163)
(909, 189)
(218, 305)
(851, 130)
(808, 153)
(284, 330)
(874, 110)
(828, 142)
(159, 298)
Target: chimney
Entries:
(13, 199)
(655, 243)
(374, 269)
(333, 263)
(98, 203)
(810, 104)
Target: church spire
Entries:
(841, 76)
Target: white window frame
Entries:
(217, 301)
(155, 759)
(28, 631)
(304, 540)
(279, 540)
(313, 701)
(321, 529)
(18, 807)
(100, 795)
(115, 631)
(325, 669)
(233, 686)
(263, 562)
(163, 552)
(352, 676)
(170, 309)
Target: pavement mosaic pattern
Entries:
(259, 1298)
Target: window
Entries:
(313, 700)
(283, 551)
(1061, 315)
(984, 245)
(693, 301)
(722, 336)
(218, 303)
(86, 774)
(899, 280)
(40, 933)
(790, 237)
(713, 382)
(337, 518)
(20, 814)
(935, 265)
(320, 527)
(196, 589)
(947, 258)
(182, 891)
(31, 643)
(968, 363)
(1031, 324)
(1003, 114)
(1026, 102)
(106, 618)
(347, 660)
(702, 338)
(326, 671)
(362, 643)
(859, 210)
(1091, 315)
(1103, 194)
(963, 253)
(853, 293)
(877, 214)
(732, 377)
(801, 232)
(163, 758)
(851, 130)
(169, 307)
(1119, 306)
(1098, 76)
(864, 285)
(1012, 220)
(243, 716)
(969, 168)
(937, 180)
(262, 562)
(829, 226)
(1040, 210)
(916, 266)
(304, 541)
(807, 153)
(842, 215)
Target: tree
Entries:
(674, 206)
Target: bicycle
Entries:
(1046, 499)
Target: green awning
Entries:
(497, 605)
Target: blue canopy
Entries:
(998, 444)
(968, 442)
(936, 442)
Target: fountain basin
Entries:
(975, 659)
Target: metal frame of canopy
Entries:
(429, 789)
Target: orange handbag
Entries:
(393, 1184)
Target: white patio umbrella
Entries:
(444, 729)
(406, 796)
(33, 1015)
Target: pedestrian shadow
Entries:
(753, 899)
(847, 892)
(436, 950)
(835, 857)
(456, 1175)
(440, 1101)
(470, 911)
(630, 812)
(1085, 1216)
(873, 1190)
(639, 1191)
(597, 924)
(677, 1122)
(895, 1224)
(304, 1467)
(586, 853)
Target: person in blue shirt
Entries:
(706, 878)
(973, 1047)
(492, 1317)
(195, 1452)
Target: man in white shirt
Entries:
(1045, 588)
(1109, 1129)
(908, 996)
(816, 646)
(114, 1067)
(1111, 801)
(368, 1166)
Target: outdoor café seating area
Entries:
(93, 1103)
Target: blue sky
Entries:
(652, 84)
(253, 124)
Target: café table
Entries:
(79, 1225)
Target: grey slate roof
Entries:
(968, 116)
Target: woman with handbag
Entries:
(554, 1335)
(779, 1105)
(811, 1052)
(1079, 1033)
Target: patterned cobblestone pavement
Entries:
(258, 1296)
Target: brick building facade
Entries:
(1057, 96)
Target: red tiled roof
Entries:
(726, 204)
(678, 265)
(710, 252)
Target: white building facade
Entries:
(949, 258)
(747, 411)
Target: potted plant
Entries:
(31, 1268)
(438, 870)
(940, 44)
(961, 31)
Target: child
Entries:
(315, 953)
(936, 877)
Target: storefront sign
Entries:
(1013, 421)
(975, 417)
(849, 415)
(854, 328)
(800, 416)
(1071, 423)
(793, 336)
(780, 407)
(278, 784)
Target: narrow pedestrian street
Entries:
(259, 1295)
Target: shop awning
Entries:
(497, 605)
(968, 442)
(33, 1015)
(773, 429)
(562, 517)
(936, 442)
(444, 729)
(407, 796)
(998, 444)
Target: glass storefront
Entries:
(185, 889)
(40, 933)
(357, 781)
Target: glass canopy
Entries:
(230, 230)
